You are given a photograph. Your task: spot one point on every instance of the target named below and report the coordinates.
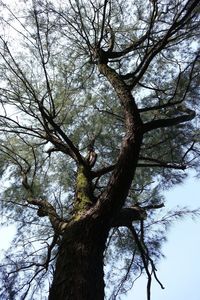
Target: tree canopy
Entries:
(99, 113)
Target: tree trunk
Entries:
(79, 268)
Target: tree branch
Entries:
(168, 122)
(103, 171)
(70, 148)
(130, 48)
(167, 165)
(153, 206)
(46, 209)
(114, 196)
(180, 21)
(160, 163)
(144, 259)
(127, 215)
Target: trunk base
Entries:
(79, 268)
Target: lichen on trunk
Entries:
(84, 197)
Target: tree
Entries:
(99, 113)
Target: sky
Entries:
(179, 271)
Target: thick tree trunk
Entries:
(79, 268)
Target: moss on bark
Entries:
(84, 196)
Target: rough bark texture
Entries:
(117, 190)
(79, 268)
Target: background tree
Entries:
(99, 113)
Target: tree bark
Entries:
(79, 268)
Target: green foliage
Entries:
(49, 75)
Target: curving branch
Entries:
(113, 198)
(46, 209)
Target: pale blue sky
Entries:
(179, 271)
